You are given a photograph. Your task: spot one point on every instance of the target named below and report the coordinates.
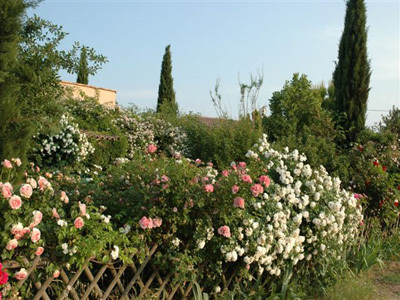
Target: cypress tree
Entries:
(14, 133)
(166, 94)
(83, 72)
(352, 73)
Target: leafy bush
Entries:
(222, 142)
(272, 216)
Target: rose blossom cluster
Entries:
(150, 223)
(295, 213)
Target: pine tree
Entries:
(83, 72)
(14, 132)
(352, 74)
(166, 95)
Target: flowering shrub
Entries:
(67, 146)
(144, 130)
(41, 220)
(263, 216)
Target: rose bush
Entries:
(261, 217)
(41, 220)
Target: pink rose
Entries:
(21, 274)
(246, 178)
(39, 251)
(43, 183)
(144, 222)
(55, 213)
(64, 197)
(264, 180)
(238, 202)
(209, 188)
(35, 236)
(7, 164)
(15, 202)
(164, 178)
(151, 148)
(157, 222)
(235, 189)
(197, 162)
(242, 165)
(6, 191)
(225, 173)
(37, 218)
(257, 189)
(151, 224)
(17, 228)
(82, 208)
(78, 223)
(224, 231)
(26, 191)
(12, 244)
(56, 273)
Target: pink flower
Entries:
(55, 213)
(235, 189)
(264, 180)
(56, 273)
(35, 235)
(26, 191)
(242, 165)
(175, 209)
(164, 178)
(64, 197)
(7, 164)
(12, 244)
(6, 191)
(17, 228)
(257, 189)
(246, 178)
(43, 183)
(209, 188)
(39, 251)
(151, 223)
(197, 162)
(238, 202)
(82, 208)
(157, 222)
(15, 202)
(151, 148)
(78, 223)
(37, 218)
(210, 164)
(21, 274)
(225, 173)
(144, 222)
(224, 231)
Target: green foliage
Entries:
(40, 63)
(222, 142)
(83, 73)
(299, 121)
(14, 130)
(352, 73)
(166, 94)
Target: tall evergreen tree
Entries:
(14, 140)
(83, 72)
(166, 94)
(352, 74)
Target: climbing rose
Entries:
(26, 191)
(35, 235)
(257, 189)
(39, 251)
(209, 188)
(21, 274)
(78, 223)
(151, 148)
(7, 164)
(238, 202)
(144, 222)
(264, 180)
(15, 202)
(224, 231)
(12, 244)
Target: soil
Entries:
(387, 280)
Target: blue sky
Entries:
(225, 39)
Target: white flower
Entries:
(62, 223)
(176, 242)
(115, 252)
(201, 244)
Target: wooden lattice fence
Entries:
(101, 281)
